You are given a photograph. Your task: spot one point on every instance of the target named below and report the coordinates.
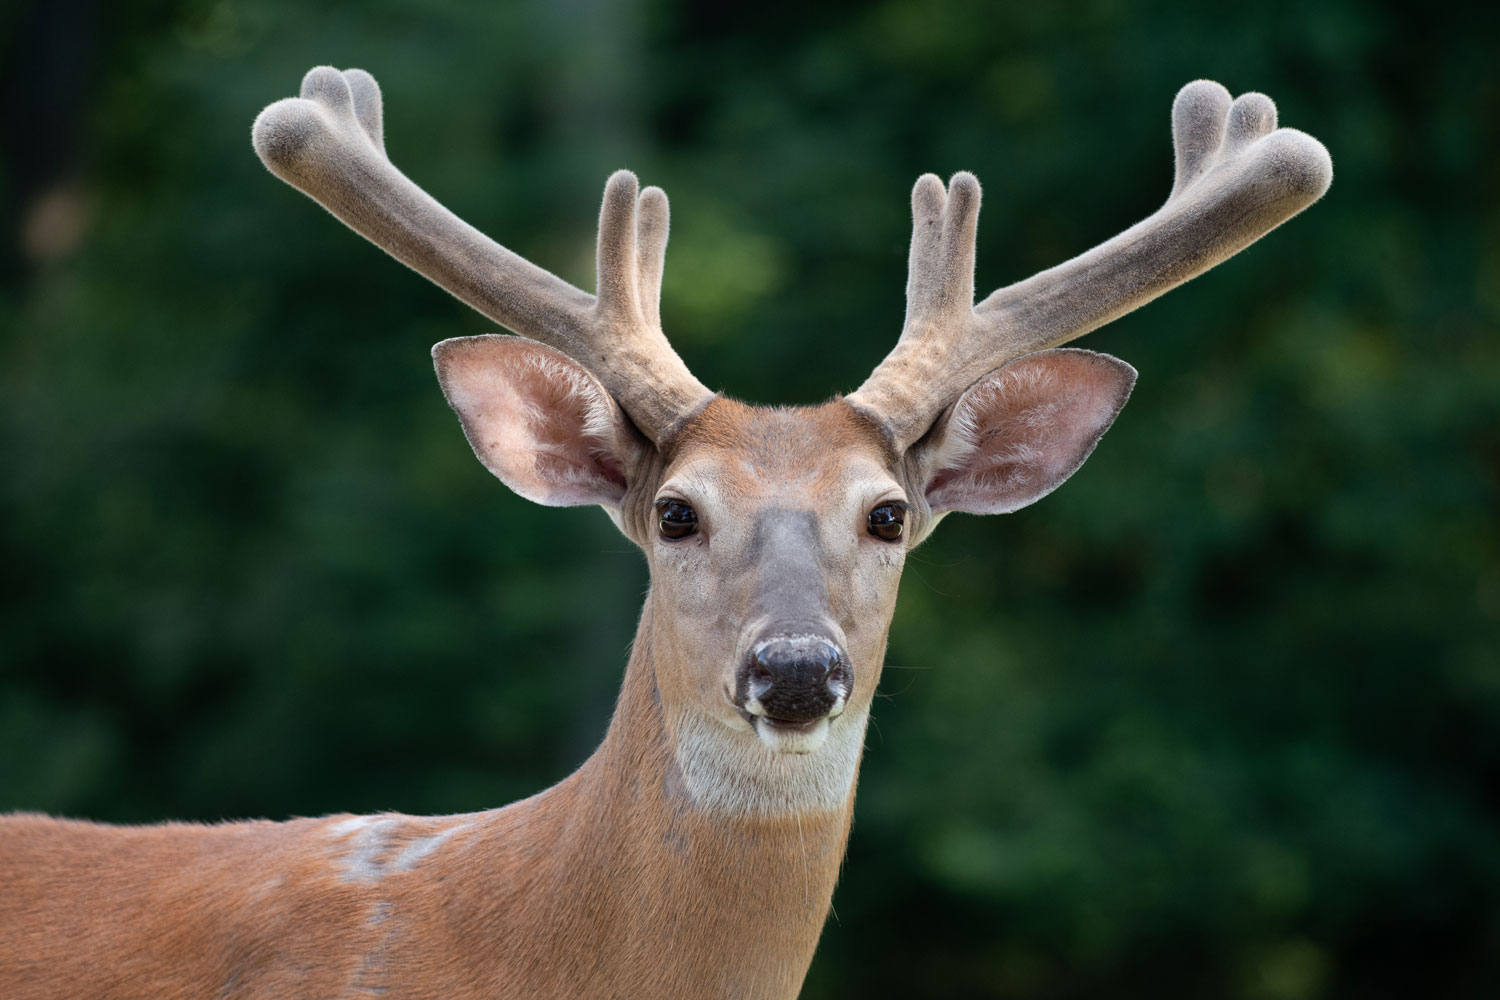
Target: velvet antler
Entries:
(328, 143)
(1237, 178)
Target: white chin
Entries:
(783, 739)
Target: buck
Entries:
(695, 853)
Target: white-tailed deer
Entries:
(695, 853)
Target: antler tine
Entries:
(1237, 178)
(651, 251)
(328, 143)
(940, 273)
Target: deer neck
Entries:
(707, 891)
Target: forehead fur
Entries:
(781, 440)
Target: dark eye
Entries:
(675, 519)
(886, 521)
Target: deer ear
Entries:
(1020, 431)
(538, 420)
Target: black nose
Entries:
(794, 678)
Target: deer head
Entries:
(776, 536)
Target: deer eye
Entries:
(675, 519)
(886, 521)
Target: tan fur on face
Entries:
(738, 466)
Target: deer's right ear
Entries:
(538, 420)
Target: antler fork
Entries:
(328, 143)
(1237, 178)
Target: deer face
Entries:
(776, 541)
(775, 537)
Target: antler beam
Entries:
(328, 143)
(1237, 178)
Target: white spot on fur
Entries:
(351, 825)
(367, 842)
(423, 846)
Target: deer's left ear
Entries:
(1020, 431)
(536, 419)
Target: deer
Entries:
(695, 853)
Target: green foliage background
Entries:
(1220, 718)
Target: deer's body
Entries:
(695, 853)
(709, 873)
(680, 902)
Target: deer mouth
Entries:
(801, 735)
(795, 736)
(789, 725)
(784, 736)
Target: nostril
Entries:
(760, 679)
(794, 678)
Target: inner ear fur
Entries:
(538, 420)
(1019, 432)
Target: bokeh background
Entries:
(1221, 718)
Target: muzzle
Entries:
(794, 680)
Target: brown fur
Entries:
(607, 884)
(695, 853)
(610, 883)
(808, 445)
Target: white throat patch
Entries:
(734, 773)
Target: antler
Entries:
(328, 144)
(1238, 177)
